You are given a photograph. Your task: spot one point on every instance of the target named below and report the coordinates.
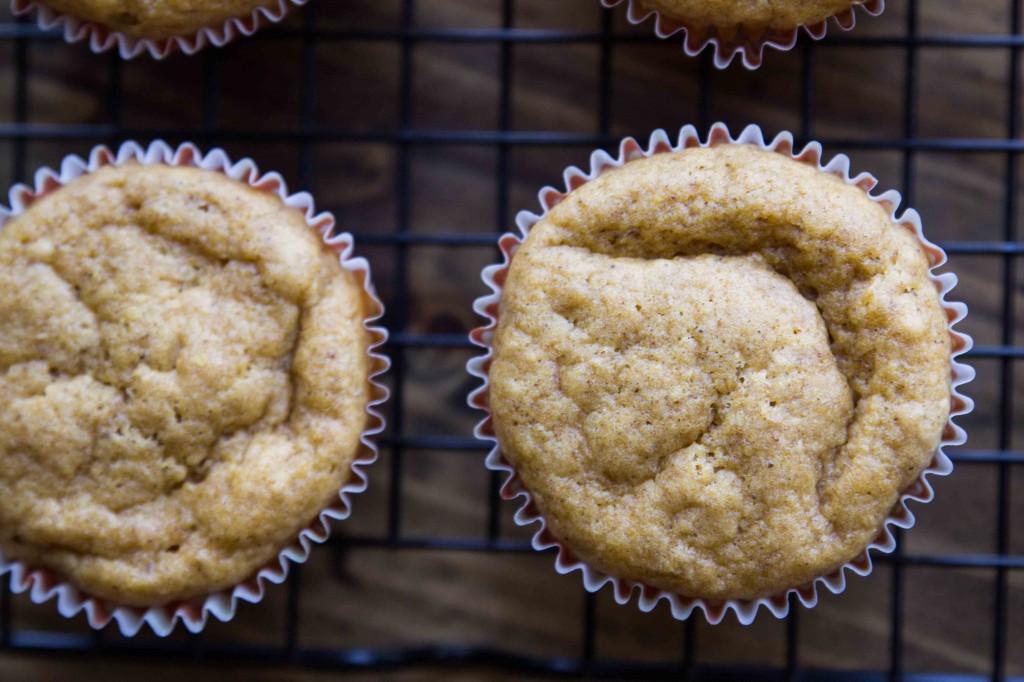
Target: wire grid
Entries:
(405, 138)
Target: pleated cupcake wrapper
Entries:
(729, 42)
(44, 585)
(683, 606)
(103, 38)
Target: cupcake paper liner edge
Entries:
(901, 516)
(727, 44)
(103, 39)
(42, 585)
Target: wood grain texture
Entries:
(379, 598)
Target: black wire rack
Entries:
(28, 134)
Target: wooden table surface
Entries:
(516, 602)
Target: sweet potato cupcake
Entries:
(717, 370)
(742, 27)
(779, 14)
(185, 381)
(159, 27)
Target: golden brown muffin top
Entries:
(157, 19)
(183, 381)
(717, 369)
(775, 14)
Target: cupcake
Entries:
(186, 380)
(786, 14)
(159, 27)
(742, 27)
(717, 370)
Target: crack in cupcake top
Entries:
(772, 14)
(158, 19)
(183, 381)
(717, 369)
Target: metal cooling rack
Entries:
(19, 35)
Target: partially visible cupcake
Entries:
(742, 27)
(717, 372)
(159, 27)
(185, 383)
(781, 14)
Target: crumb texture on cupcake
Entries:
(157, 19)
(183, 381)
(716, 370)
(774, 14)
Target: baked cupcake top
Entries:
(183, 381)
(717, 369)
(157, 19)
(776, 14)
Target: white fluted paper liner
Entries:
(727, 43)
(103, 38)
(43, 584)
(900, 517)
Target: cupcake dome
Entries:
(184, 384)
(716, 370)
(157, 19)
(770, 14)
